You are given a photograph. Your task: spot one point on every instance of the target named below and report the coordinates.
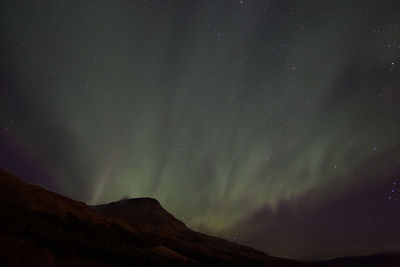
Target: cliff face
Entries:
(42, 228)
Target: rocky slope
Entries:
(42, 228)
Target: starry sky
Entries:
(270, 123)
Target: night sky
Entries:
(274, 124)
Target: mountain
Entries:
(42, 228)
(149, 216)
(384, 259)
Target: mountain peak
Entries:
(142, 210)
(39, 224)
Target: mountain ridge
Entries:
(44, 228)
(386, 258)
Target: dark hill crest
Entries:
(42, 228)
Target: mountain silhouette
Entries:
(42, 228)
(386, 259)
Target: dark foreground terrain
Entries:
(42, 228)
(386, 259)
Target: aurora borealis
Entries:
(275, 124)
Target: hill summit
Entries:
(43, 228)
